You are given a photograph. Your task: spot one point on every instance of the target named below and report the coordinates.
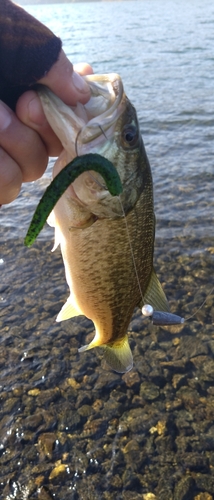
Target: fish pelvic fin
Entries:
(68, 311)
(155, 295)
(119, 355)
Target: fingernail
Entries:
(5, 116)
(79, 83)
(35, 113)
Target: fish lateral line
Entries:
(80, 164)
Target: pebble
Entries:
(59, 472)
(149, 391)
(71, 428)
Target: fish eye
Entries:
(130, 135)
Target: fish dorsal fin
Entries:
(155, 295)
(119, 355)
(68, 311)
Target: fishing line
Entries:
(131, 249)
(200, 307)
(158, 317)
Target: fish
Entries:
(107, 242)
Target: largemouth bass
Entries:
(106, 242)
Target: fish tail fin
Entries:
(119, 355)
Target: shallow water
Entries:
(70, 427)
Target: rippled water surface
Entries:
(70, 428)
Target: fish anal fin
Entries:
(68, 311)
(155, 295)
(96, 342)
(119, 355)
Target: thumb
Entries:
(66, 83)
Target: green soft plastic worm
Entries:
(61, 182)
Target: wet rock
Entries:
(188, 396)
(190, 349)
(112, 409)
(11, 405)
(33, 421)
(157, 377)
(85, 411)
(107, 382)
(73, 383)
(176, 404)
(58, 473)
(46, 443)
(184, 488)
(69, 420)
(195, 462)
(43, 494)
(149, 391)
(132, 379)
(208, 370)
(205, 482)
(83, 399)
(116, 482)
(133, 456)
(34, 392)
(131, 481)
(165, 444)
(95, 428)
(203, 496)
(48, 396)
(178, 380)
(128, 495)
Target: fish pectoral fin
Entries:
(155, 295)
(68, 311)
(51, 219)
(119, 355)
(56, 240)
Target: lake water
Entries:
(70, 428)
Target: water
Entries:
(163, 51)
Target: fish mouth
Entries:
(90, 126)
(86, 128)
(106, 102)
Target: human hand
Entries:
(26, 138)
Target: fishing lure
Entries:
(62, 181)
(161, 318)
(56, 189)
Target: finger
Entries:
(23, 145)
(29, 110)
(66, 83)
(83, 69)
(10, 178)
